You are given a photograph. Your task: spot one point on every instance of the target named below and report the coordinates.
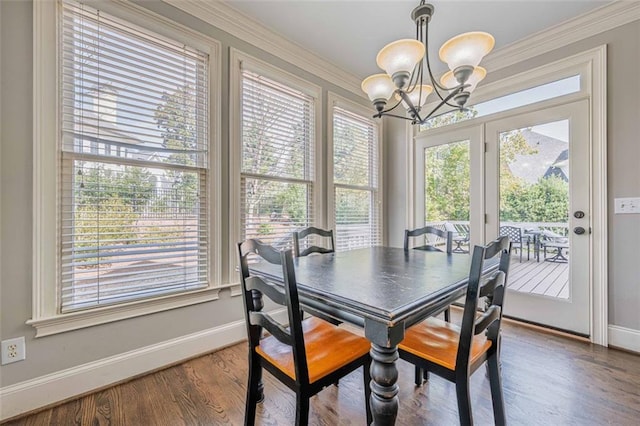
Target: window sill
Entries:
(61, 323)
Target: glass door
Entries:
(448, 194)
(537, 178)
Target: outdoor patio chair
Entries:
(557, 242)
(460, 235)
(517, 239)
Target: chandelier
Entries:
(407, 67)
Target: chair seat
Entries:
(328, 348)
(437, 341)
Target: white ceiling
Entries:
(349, 33)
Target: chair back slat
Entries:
(276, 329)
(254, 288)
(486, 319)
(446, 235)
(310, 231)
(492, 317)
(315, 249)
(488, 287)
(276, 294)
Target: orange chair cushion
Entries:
(328, 348)
(437, 341)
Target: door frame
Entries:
(591, 65)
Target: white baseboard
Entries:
(51, 388)
(624, 338)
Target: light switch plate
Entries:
(627, 205)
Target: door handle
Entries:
(579, 230)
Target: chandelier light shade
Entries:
(418, 97)
(379, 87)
(466, 49)
(399, 59)
(408, 73)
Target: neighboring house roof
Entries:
(549, 159)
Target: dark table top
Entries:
(384, 284)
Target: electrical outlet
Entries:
(13, 350)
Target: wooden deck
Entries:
(546, 278)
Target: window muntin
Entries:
(356, 180)
(134, 162)
(277, 159)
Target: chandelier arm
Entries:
(397, 116)
(412, 108)
(436, 84)
(443, 102)
(378, 115)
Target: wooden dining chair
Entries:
(306, 355)
(425, 230)
(310, 231)
(453, 352)
(448, 236)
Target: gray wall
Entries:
(623, 150)
(53, 353)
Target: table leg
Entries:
(384, 390)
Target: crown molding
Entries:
(226, 18)
(597, 21)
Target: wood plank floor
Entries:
(546, 278)
(548, 380)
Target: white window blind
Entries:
(277, 160)
(134, 208)
(356, 180)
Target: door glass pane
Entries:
(447, 187)
(534, 207)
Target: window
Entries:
(95, 75)
(278, 137)
(542, 92)
(356, 177)
(134, 162)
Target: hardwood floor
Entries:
(548, 380)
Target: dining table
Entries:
(385, 290)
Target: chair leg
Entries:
(464, 401)
(497, 398)
(253, 392)
(419, 375)
(367, 389)
(302, 409)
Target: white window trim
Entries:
(334, 100)
(592, 67)
(46, 157)
(237, 61)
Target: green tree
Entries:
(176, 118)
(545, 201)
(447, 181)
(275, 144)
(447, 173)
